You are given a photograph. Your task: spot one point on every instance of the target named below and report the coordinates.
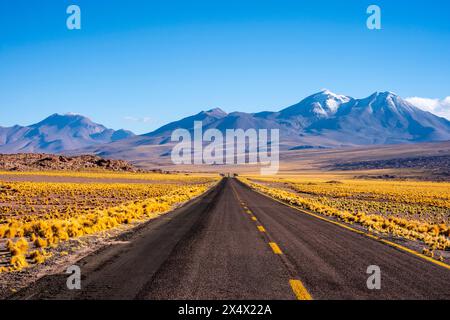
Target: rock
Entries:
(48, 162)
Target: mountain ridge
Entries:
(321, 120)
(58, 133)
(381, 118)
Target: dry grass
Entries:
(37, 215)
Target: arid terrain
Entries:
(102, 214)
(50, 216)
(423, 161)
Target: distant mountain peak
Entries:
(387, 99)
(322, 104)
(326, 92)
(216, 112)
(67, 115)
(384, 94)
(63, 120)
(58, 133)
(322, 119)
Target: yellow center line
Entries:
(299, 290)
(297, 286)
(276, 249)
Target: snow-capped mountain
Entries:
(324, 104)
(382, 118)
(323, 119)
(328, 119)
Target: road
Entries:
(234, 243)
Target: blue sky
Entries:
(139, 64)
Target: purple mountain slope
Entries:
(58, 133)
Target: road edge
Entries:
(368, 235)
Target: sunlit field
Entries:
(35, 216)
(404, 209)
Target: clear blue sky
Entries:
(162, 60)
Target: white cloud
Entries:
(440, 107)
(137, 119)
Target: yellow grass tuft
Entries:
(45, 214)
(39, 256)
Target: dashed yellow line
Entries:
(297, 286)
(276, 249)
(299, 290)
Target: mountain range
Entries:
(322, 120)
(58, 134)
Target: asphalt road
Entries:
(234, 243)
